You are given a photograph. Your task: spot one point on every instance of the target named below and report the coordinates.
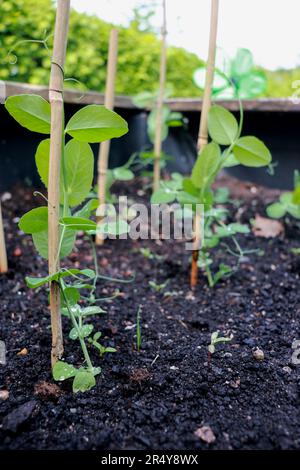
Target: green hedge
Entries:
(138, 65)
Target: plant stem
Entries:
(206, 104)
(77, 328)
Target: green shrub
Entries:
(139, 53)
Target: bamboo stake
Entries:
(56, 148)
(109, 103)
(203, 129)
(3, 255)
(160, 101)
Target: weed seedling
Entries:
(158, 287)
(214, 340)
(148, 254)
(138, 330)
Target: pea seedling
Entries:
(289, 202)
(239, 78)
(92, 123)
(158, 287)
(214, 340)
(225, 133)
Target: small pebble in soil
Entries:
(4, 395)
(2, 353)
(287, 369)
(258, 354)
(206, 434)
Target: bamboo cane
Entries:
(160, 102)
(203, 129)
(3, 255)
(56, 148)
(109, 103)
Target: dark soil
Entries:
(157, 398)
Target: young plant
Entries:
(226, 149)
(237, 78)
(138, 330)
(289, 202)
(158, 287)
(148, 254)
(91, 124)
(214, 340)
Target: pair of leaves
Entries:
(77, 175)
(35, 282)
(93, 123)
(284, 206)
(84, 379)
(224, 130)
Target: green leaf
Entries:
(88, 311)
(31, 111)
(206, 165)
(34, 282)
(276, 210)
(163, 196)
(242, 63)
(296, 196)
(252, 85)
(145, 99)
(84, 380)
(294, 211)
(123, 174)
(222, 125)
(62, 371)
(73, 334)
(231, 229)
(189, 188)
(79, 165)
(252, 152)
(40, 241)
(35, 220)
(42, 157)
(110, 350)
(87, 209)
(78, 223)
(230, 161)
(95, 123)
(86, 330)
(72, 295)
(186, 198)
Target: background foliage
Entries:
(139, 52)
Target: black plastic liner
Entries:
(279, 130)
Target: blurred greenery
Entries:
(139, 52)
(138, 60)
